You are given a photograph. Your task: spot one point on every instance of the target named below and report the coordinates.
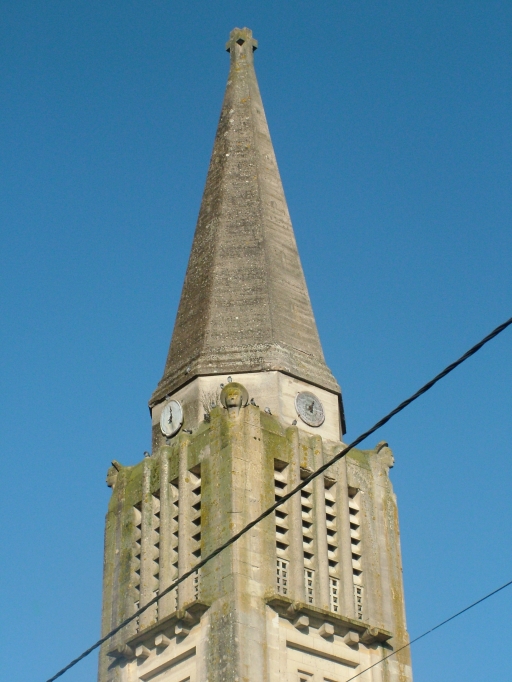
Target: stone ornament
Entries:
(171, 418)
(233, 397)
(309, 408)
(112, 474)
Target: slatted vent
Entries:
(195, 482)
(331, 522)
(309, 584)
(282, 576)
(135, 562)
(282, 532)
(175, 507)
(354, 504)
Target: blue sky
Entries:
(391, 124)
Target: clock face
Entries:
(171, 418)
(309, 408)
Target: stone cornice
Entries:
(291, 610)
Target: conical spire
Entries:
(244, 305)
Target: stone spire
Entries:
(313, 591)
(245, 305)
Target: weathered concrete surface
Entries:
(234, 625)
(274, 390)
(244, 305)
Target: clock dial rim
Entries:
(177, 418)
(300, 409)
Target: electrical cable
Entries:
(426, 387)
(427, 632)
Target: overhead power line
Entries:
(287, 496)
(427, 632)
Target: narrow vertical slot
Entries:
(135, 562)
(308, 537)
(175, 498)
(331, 522)
(282, 528)
(354, 504)
(195, 524)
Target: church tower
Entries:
(245, 410)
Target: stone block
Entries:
(326, 630)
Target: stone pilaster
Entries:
(322, 559)
(147, 579)
(297, 592)
(166, 604)
(345, 549)
(185, 558)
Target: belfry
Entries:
(245, 410)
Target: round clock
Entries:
(171, 418)
(309, 408)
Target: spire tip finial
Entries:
(239, 36)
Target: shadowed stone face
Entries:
(111, 477)
(112, 474)
(233, 397)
